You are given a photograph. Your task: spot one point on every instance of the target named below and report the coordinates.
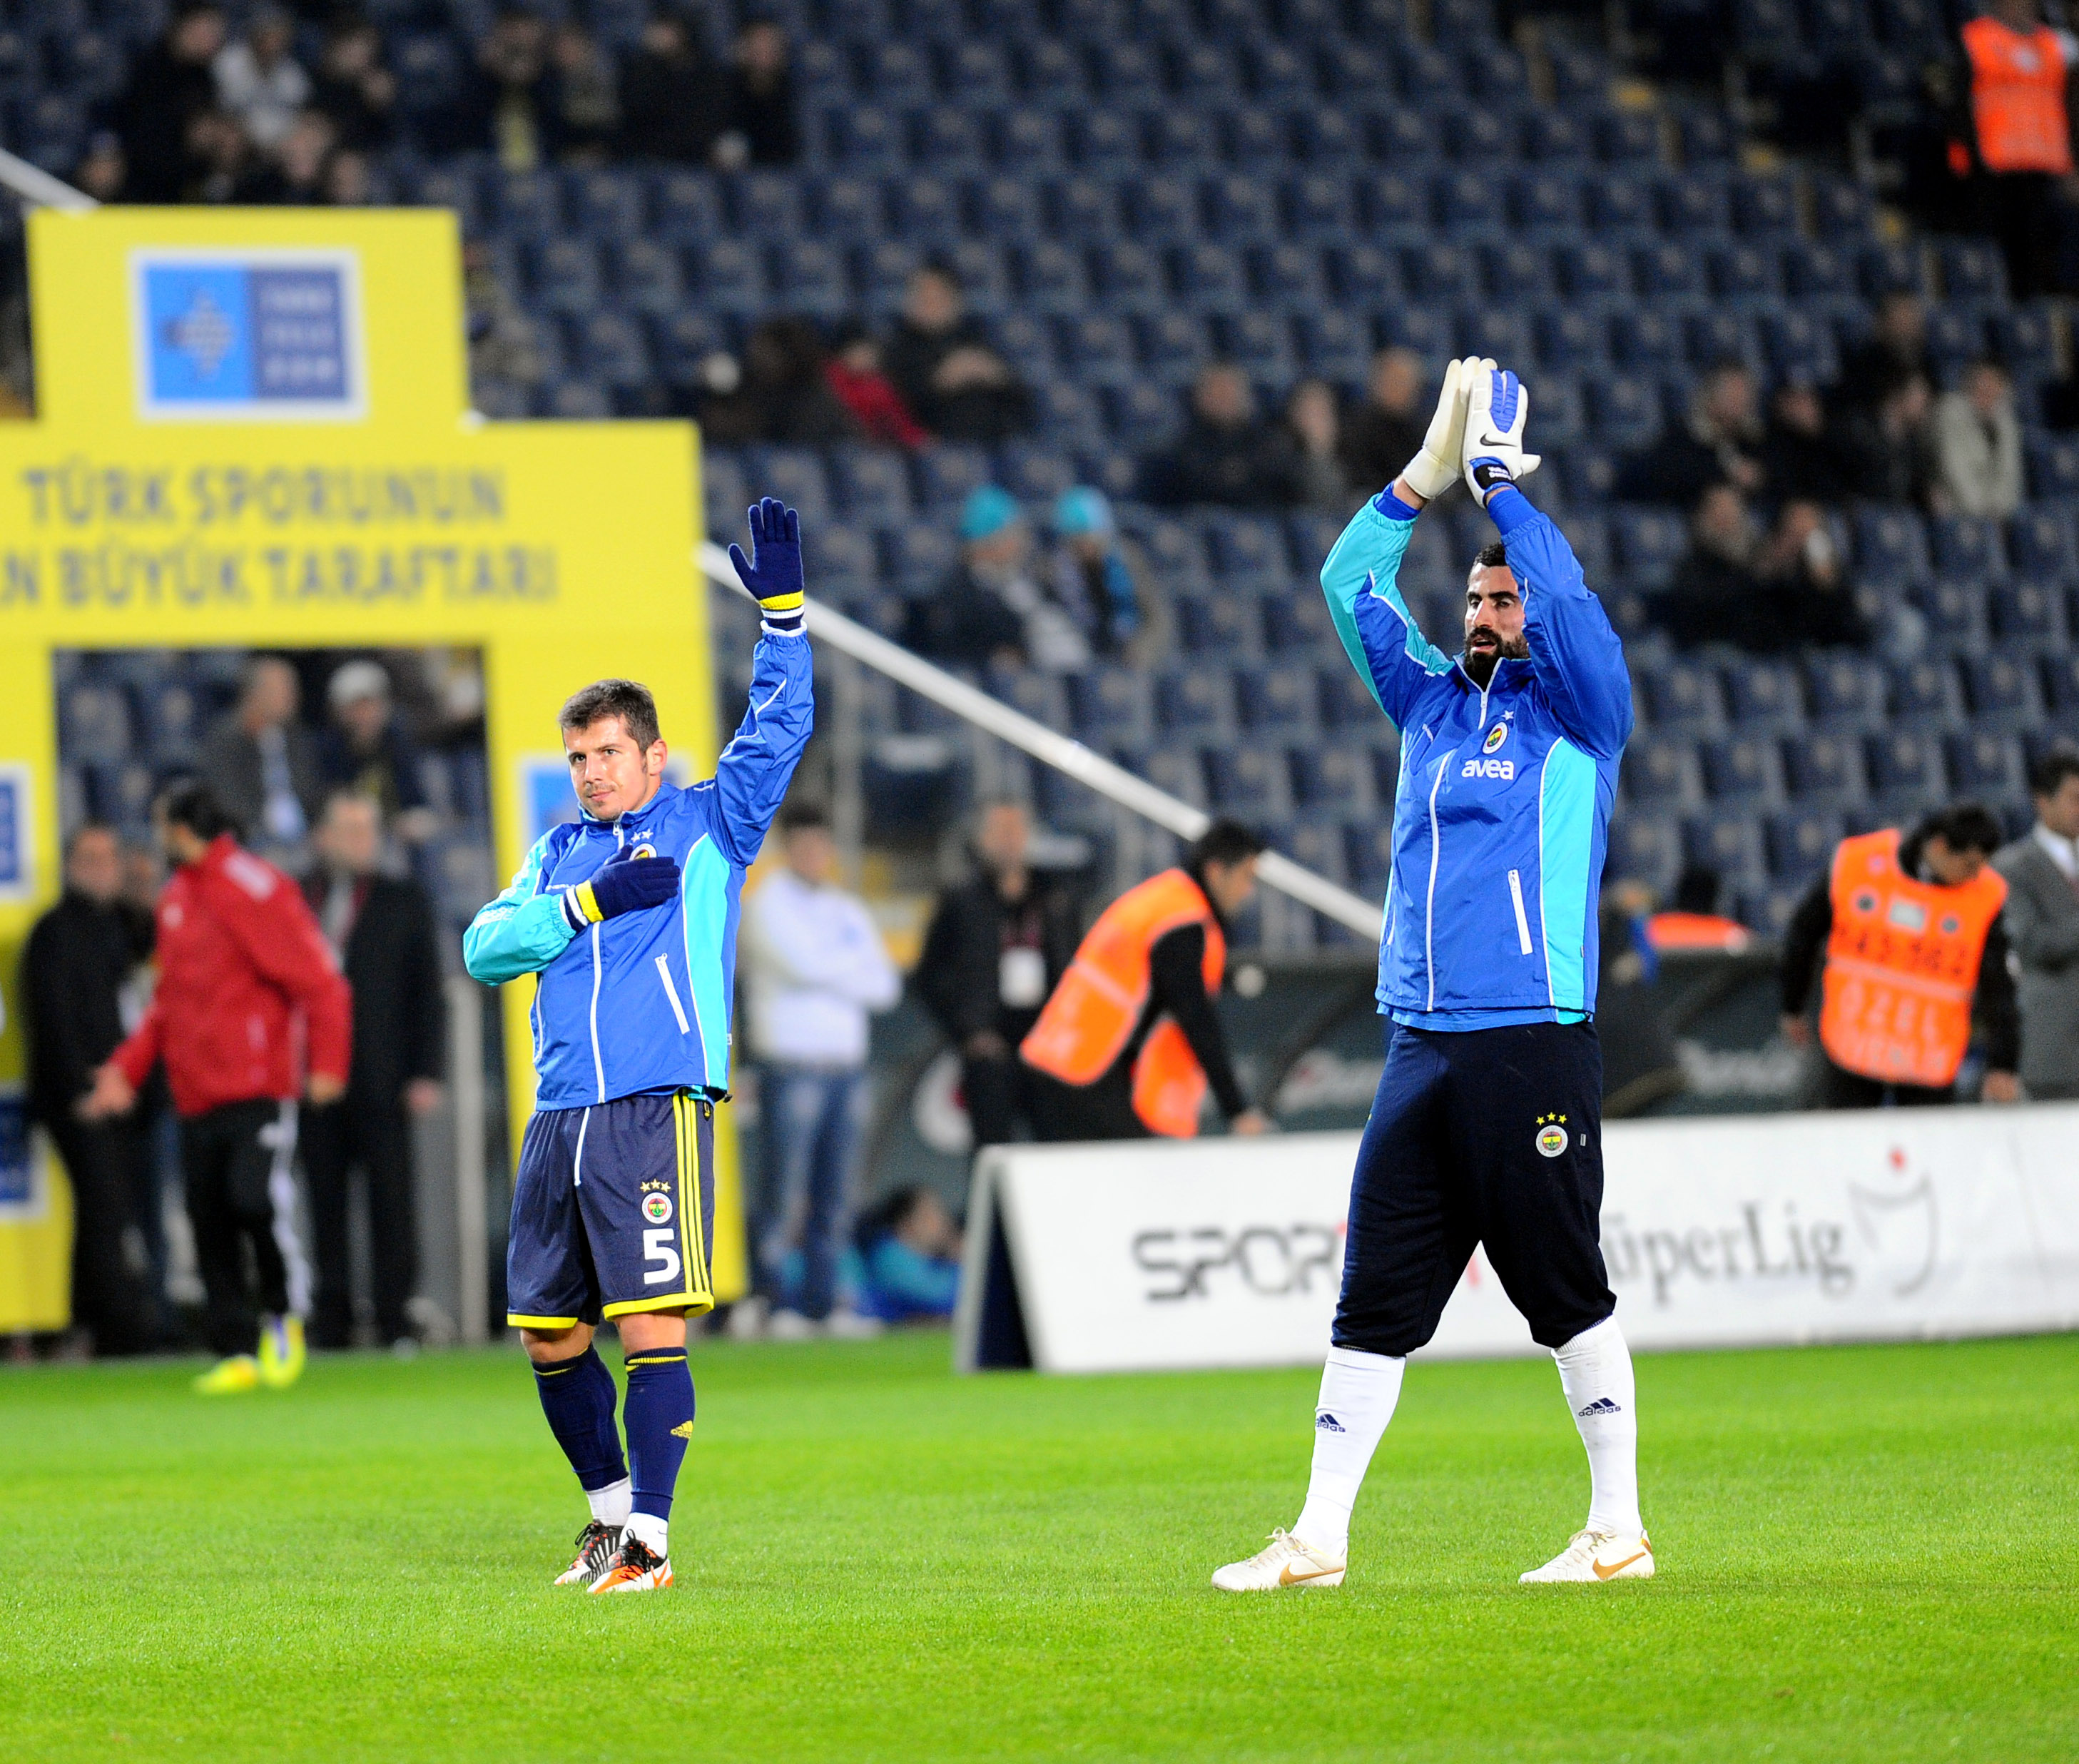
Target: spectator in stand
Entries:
(261, 764)
(353, 88)
(220, 165)
(1893, 354)
(508, 105)
(1887, 448)
(1129, 1043)
(250, 1013)
(1385, 431)
(1720, 443)
(998, 944)
(1887, 912)
(170, 85)
(762, 128)
(259, 81)
(368, 751)
(674, 103)
(1315, 425)
(1977, 446)
(940, 360)
(587, 92)
(78, 997)
(1226, 453)
(782, 395)
(102, 172)
(2042, 918)
(856, 380)
(814, 968)
(296, 177)
(380, 930)
(1800, 451)
(347, 184)
(1092, 577)
(2019, 130)
(997, 605)
(909, 1256)
(1763, 593)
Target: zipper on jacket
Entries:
(1429, 903)
(598, 973)
(672, 992)
(1522, 918)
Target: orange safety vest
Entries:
(2018, 98)
(1686, 931)
(1902, 965)
(1094, 1010)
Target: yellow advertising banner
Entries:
(253, 430)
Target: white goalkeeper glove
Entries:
(1430, 472)
(1496, 406)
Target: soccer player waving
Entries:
(1487, 1129)
(628, 914)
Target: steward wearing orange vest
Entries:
(1915, 948)
(1129, 1043)
(2020, 128)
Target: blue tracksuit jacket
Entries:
(1501, 814)
(641, 1002)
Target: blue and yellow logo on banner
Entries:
(252, 337)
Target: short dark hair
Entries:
(1493, 555)
(798, 817)
(622, 698)
(196, 808)
(1967, 826)
(1225, 842)
(2056, 764)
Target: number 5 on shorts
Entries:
(660, 1259)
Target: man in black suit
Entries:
(380, 928)
(79, 960)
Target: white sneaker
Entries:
(853, 1326)
(1286, 1562)
(746, 1319)
(788, 1327)
(1590, 1557)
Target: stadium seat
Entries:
(1729, 844)
(870, 485)
(1763, 696)
(1661, 775)
(1987, 765)
(1111, 705)
(1823, 769)
(1924, 692)
(1801, 842)
(1251, 781)
(1905, 766)
(2030, 612)
(1197, 702)
(1644, 849)
(1742, 770)
(2001, 690)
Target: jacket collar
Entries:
(635, 820)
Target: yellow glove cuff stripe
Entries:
(785, 603)
(588, 903)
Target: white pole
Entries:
(38, 188)
(1277, 870)
(465, 1085)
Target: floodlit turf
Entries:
(1865, 1553)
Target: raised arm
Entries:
(522, 931)
(755, 769)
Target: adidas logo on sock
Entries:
(1602, 1406)
(1325, 1422)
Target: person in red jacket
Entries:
(249, 996)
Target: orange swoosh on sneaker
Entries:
(1617, 1567)
(1286, 1578)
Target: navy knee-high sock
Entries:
(577, 1396)
(658, 1416)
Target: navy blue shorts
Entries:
(612, 1212)
(1489, 1136)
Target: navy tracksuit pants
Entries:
(1488, 1137)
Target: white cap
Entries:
(358, 679)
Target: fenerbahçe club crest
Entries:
(1496, 736)
(1551, 1135)
(657, 1207)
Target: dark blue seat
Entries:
(973, 71)
(1924, 692)
(1322, 845)
(1824, 768)
(915, 559)
(1972, 270)
(1245, 548)
(884, 269)
(2003, 692)
(1800, 344)
(96, 721)
(1208, 279)
(2040, 541)
(566, 278)
(1364, 274)
(1904, 764)
(648, 277)
(1649, 543)
(2060, 683)
(924, 210)
(1553, 137)
(842, 559)
(1440, 271)
(608, 204)
(1286, 277)
(947, 141)
(795, 475)
(1110, 704)
(1162, 210)
(687, 206)
(1260, 343)
(1955, 335)
(1568, 338)
(1467, 204)
(896, 73)
(1955, 615)
(1586, 270)
(1893, 269)
(1298, 622)
(528, 205)
(1625, 410)
(1968, 550)
(1644, 338)
(1740, 769)
(1620, 208)
(2053, 468)
(1027, 140)
(1661, 772)
(1104, 141)
(1801, 843)
(1036, 475)
(1391, 206)
(767, 205)
(1681, 699)
(1182, 139)
(1335, 344)
(1006, 210)
(1279, 699)
(2023, 339)
(612, 349)
(1503, 336)
(1126, 73)
(1327, 139)
(810, 278)
(1716, 335)
(1346, 701)
(1050, 74)
(1317, 208)
(2031, 612)
(1179, 770)
(1731, 845)
(1050, 278)
(1242, 209)
(1769, 910)
(1253, 139)
(1694, 205)
(1845, 691)
(1764, 205)
(1542, 203)
(1479, 137)
(1196, 701)
(1744, 272)
(871, 485)
(1762, 695)
(1096, 350)
(1225, 625)
(1250, 780)
(1890, 548)
(1173, 345)
(1629, 138)
(574, 401)
(948, 475)
(844, 211)
(864, 138)
(1984, 763)
(1205, 70)
(1812, 271)
(1644, 849)
(1137, 414)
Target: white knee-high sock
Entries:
(1595, 1370)
(1358, 1392)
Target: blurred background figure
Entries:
(1720, 443)
(380, 930)
(949, 374)
(1092, 577)
(1977, 446)
(1321, 481)
(170, 86)
(1385, 431)
(2042, 918)
(998, 604)
(260, 83)
(998, 944)
(261, 766)
(1227, 453)
(783, 395)
(2019, 129)
(673, 105)
(1129, 1043)
(908, 1254)
(761, 128)
(368, 750)
(815, 970)
(78, 1002)
(857, 380)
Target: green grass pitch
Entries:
(1866, 1553)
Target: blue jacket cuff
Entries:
(1392, 507)
(1509, 509)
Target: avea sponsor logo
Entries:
(1505, 769)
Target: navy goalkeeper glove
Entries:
(774, 579)
(624, 883)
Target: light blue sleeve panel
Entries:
(1579, 659)
(1566, 872)
(752, 775)
(521, 932)
(1380, 634)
